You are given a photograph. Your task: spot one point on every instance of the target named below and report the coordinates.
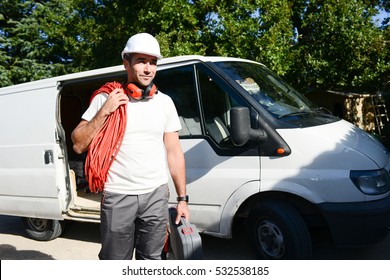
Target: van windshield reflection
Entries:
(269, 90)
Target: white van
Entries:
(256, 151)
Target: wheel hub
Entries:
(38, 224)
(271, 239)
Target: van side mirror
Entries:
(241, 131)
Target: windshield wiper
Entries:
(297, 113)
(323, 111)
(319, 111)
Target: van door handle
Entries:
(48, 157)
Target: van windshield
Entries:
(276, 96)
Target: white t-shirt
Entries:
(140, 165)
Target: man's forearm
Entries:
(178, 173)
(84, 133)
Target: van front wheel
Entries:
(278, 231)
(43, 229)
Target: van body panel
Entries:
(310, 184)
(33, 207)
(338, 145)
(38, 179)
(30, 156)
(212, 180)
(319, 171)
(233, 204)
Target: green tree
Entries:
(40, 39)
(260, 30)
(338, 46)
(173, 22)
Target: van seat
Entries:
(217, 130)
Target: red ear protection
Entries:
(138, 93)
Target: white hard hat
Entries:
(142, 43)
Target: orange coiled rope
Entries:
(105, 145)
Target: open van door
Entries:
(32, 164)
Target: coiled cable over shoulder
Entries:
(106, 143)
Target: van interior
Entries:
(73, 101)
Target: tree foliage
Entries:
(38, 39)
(338, 46)
(329, 44)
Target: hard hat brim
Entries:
(141, 52)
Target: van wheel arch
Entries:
(43, 229)
(278, 231)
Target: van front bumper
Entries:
(357, 223)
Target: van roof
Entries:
(53, 82)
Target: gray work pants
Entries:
(134, 221)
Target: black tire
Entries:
(43, 229)
(278, 231)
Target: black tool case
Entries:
(185, 241)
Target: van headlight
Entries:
(371, 182)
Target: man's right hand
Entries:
(115, 99)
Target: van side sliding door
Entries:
(32, 180)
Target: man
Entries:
(134, 208)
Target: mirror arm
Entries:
(257, 135)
